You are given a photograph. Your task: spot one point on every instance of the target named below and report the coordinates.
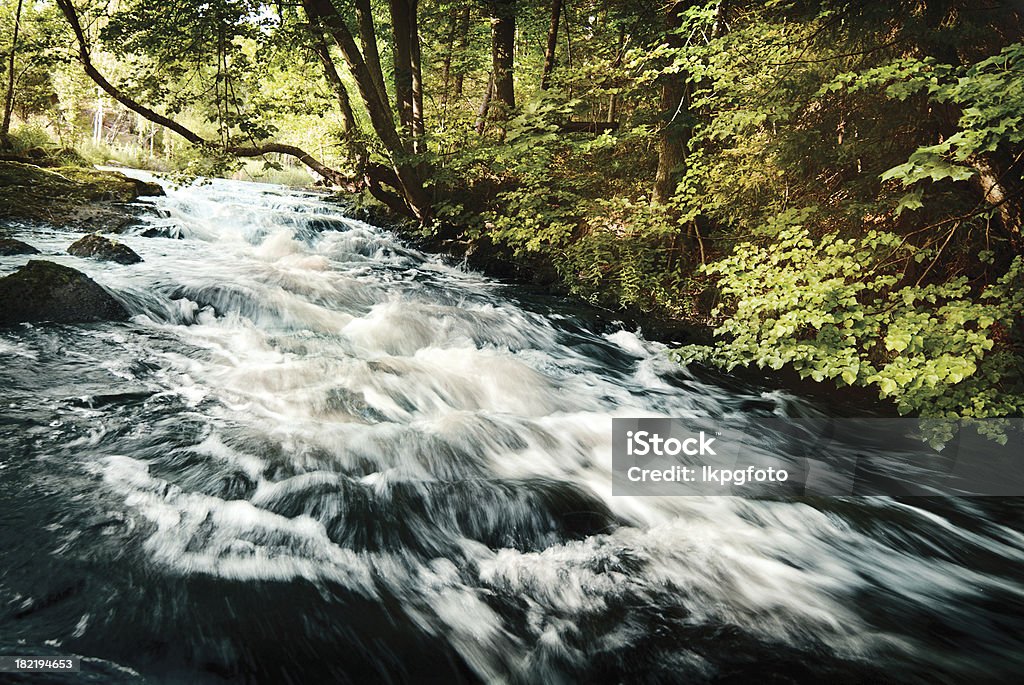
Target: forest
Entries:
(512, 341)
(835, 187)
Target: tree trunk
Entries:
(348, 119)
(503, 38)
(568, 43)
(672, 139)
(1002, 188)
(418, 123)
(675, 132)
(408, 71)
(407, 177)
(5, 128)
(368, 41)
(401, 30)
(613, 100)
(485, 105)
(446, 64)
(675, 109)
(549, 50)
(463, 44)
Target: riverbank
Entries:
(78, 197)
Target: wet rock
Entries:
(173, 232)
(103, 248)
(103, 218)
(320, 224)
(147, 189)
(10, 246)
(44, 291)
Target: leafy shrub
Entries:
(836, 308)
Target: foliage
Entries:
(841, 309)
(989, 96)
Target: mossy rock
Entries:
(103, 248)
(56, 196)
(10, 246)
(112, 186)
(43, 291)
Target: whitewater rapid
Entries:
(315, 452)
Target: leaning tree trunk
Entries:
(402, 177)
(407, 177)
(485, 105)
(348, 119)
(368, 41)
(85, 57)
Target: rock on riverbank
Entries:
(79, 198)
(10, 246)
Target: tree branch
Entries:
(331, 175)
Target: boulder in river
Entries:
(10, 246)
(44, 291)
(103, 248)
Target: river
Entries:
(317, 455)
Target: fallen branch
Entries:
(588, 127)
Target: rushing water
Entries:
(316, 455)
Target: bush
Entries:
(839, 309)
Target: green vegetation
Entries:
(836, 187)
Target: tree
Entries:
(675, 106)
(402, 175)
(5, 128)
(402, 21)
(551, 45)
(503, 37)
(71, 14)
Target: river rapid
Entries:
(317, 455)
